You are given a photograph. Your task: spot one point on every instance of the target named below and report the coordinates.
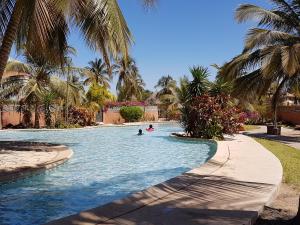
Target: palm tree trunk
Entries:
(1, 118)
(275, 115)
(20, 116)
(9, 37)
(67, 101)
(36, 116)
(276, 97)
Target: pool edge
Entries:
(64, 153)
(218, 169)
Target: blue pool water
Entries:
(108, 164)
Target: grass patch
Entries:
(250, 127)
(289, 158)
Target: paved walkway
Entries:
(288, 136)
(231, 189)
(20, 158)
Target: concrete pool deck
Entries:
(231, 188)
(288, 136)
(18, 159)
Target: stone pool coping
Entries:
(22, 159)
(93, 127)
(231, 188)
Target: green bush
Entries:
(131, 113)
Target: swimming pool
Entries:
(108, 164)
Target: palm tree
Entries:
(41, 82)
(182, 90)
(200, 84)
(70, 92)
(43, 25)
(219, 86)
(124, 68)
(9, 89)
(132, 90)
(167, 94)
(167, 85)
(48, 101)
(295, 89)
(271, 52)
(130, 84)
(97, 72)
(33, 92)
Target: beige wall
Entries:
(112, 116)
(289, 114)
(13, 118)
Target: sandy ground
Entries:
(283, 209)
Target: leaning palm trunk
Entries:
(9, 37)
(36, 116)
(67, 102)
(276, 97)
(48, 116)
(1, 121)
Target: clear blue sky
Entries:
(177, 34)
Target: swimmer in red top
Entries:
(150, 128)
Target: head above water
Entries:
(140, 131)
(150, 126)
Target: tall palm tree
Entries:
(132, 90)
(271, 51)
(167, 94)
(9, 89)
(166, 85)
(75, 90)
(130, 84)
(33, 92)
(97, 72)
(124, 68)
(41, 82)
(44, 24)
(182, 90)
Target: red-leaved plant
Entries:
(210, 117)
(81, 116)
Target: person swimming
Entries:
(140, 132)
(150, 128)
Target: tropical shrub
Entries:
(252, 118)
(173, 114)
(131, 113)
(64, 125)
(80, 116)
(209, 117)
(99, 94)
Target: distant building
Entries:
(289, 99)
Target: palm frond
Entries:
(6, 9)
(273, 19)
(258, 37)
(17, 66)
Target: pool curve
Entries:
(109, 163)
